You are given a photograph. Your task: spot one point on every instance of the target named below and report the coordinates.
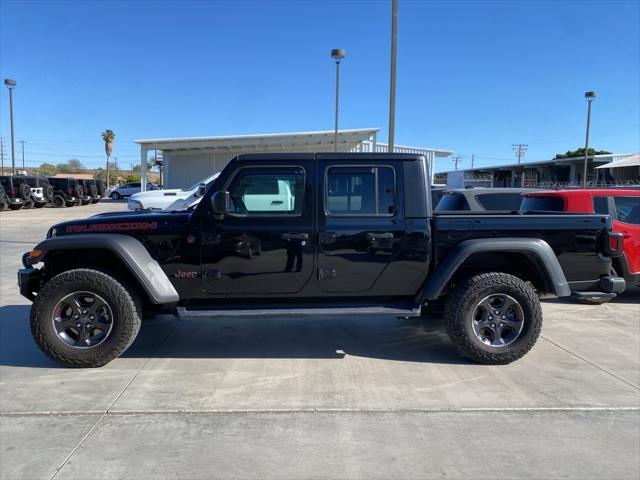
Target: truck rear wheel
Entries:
(84, 318)
(493, 318)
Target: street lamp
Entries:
(337, 54)
(589, 96)
(11, 84)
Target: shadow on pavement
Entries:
(414, 340)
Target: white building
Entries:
(187, 160)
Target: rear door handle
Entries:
(294, 236)
(372, 237)
(327, 237)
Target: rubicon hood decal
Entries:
(112, 227)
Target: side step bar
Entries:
(289, 312)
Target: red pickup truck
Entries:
(622, 204)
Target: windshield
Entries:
(206, 181)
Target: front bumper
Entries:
(29, 282)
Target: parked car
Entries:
(4, 203)
(17, 192)
(87, 196)
(129, 189)
(41, 190)
(481, 199)
(170, 199)
(622, 204)
(91, 186)
(102, 189)
(67, 192)
(314, 218)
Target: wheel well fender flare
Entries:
(131, 251)
(532, 248)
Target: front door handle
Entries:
(294, 236)
(372, 237)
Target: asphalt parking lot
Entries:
(317, 397)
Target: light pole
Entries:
(589, 96)
(11, 84)
(337, 54)
(392, 82)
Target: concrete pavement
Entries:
(317, 398)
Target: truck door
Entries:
(360, 223)
(266, 243)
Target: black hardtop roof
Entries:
(341, 156)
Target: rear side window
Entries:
(452, 202)
(361, 191)
(628, 209)
(500, 201)
(542, 204)
(601, 205)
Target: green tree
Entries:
(47, 170)
(72, 165)
(580, 153)
(132, 178)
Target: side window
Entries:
(267, 191)
(628, 209)
(360, 191)
(500, 201)
(601, 205)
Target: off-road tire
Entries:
(47, 191)
(58, 201)
(24, 192)
(126, 318)
(462, 302)
(3, 205)
(15, 206)
(39, 204)
(28, 204)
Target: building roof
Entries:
(259, 140)
(554, 161)
(78, 176)
(630, 161)
(289, 139)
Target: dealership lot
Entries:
(309, 397)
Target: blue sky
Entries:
(473, 76)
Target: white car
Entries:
(171, 199)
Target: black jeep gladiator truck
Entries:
(301, 234)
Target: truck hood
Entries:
(171, 193)
(127, 223)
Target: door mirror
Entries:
(220, 203)
(202, 189)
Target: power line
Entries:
(455, 161)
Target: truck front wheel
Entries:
(84, 318)
(493, 318)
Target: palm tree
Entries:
(108, 136)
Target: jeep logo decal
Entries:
(188, 275)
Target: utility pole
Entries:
(392, 83)
(2, 154)
(22, 142)
(473, 158)
(455, 161)
(520, 150)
